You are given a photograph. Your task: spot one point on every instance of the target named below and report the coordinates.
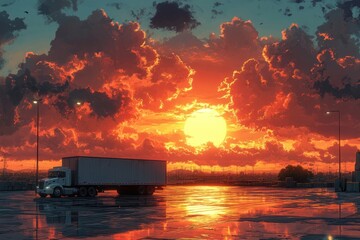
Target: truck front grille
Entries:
(41, 184)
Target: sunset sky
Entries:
(231, 85)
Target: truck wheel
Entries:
(150, 190)
(91, 191)
(82, 192)
(56, 193)
(42, 195)
(141, 190)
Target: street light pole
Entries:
(338, 112)
(37, 102)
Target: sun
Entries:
(203, 126)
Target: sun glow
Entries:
(203, 126)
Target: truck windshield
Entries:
(56, 174)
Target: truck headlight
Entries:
(47, 187)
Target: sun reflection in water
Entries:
(207, 207)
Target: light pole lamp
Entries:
(338, 112)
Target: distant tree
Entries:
(298, 173)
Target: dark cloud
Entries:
(237, 38)
(315, 2)
(347, 7)
(297, 1)
(341, 30)
(8, 29)
(100, 103)
(215, 9)
(338, 77)
(183, 41)
(217, 4)
(52, 9)
(15, 89)
(116, 5)
(295, 48)
(348, 91)
(18, 86)
(7, 4)
(138, 14)
(172, 16)
(287, 12)
(337, 73)
(7, 113)
(99, 34)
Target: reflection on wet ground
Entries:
(196, 212)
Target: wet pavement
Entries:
(185, 212)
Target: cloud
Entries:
(101, 105)
(18, 88)
(216, 57)
(183, 41)
(337, 32)
(244, 88)
(337, 77)
(294, 85)
(237, 42)
(52, 9)
(108, 67)
(171, 16)
(7, 113)
(347, 7)
(136, 92)
(235, 37)
(103, 58)
(138, 14)
(270, 152)
(296, 48)
(169, 77)
(8, 4)
(8, 29)
(348, 154)
(215, 11)
(123, 44)
(116, 5)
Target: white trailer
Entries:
(86, 176)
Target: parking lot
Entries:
(196, 212)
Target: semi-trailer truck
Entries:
(86, 176)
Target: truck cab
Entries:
(55, 184)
